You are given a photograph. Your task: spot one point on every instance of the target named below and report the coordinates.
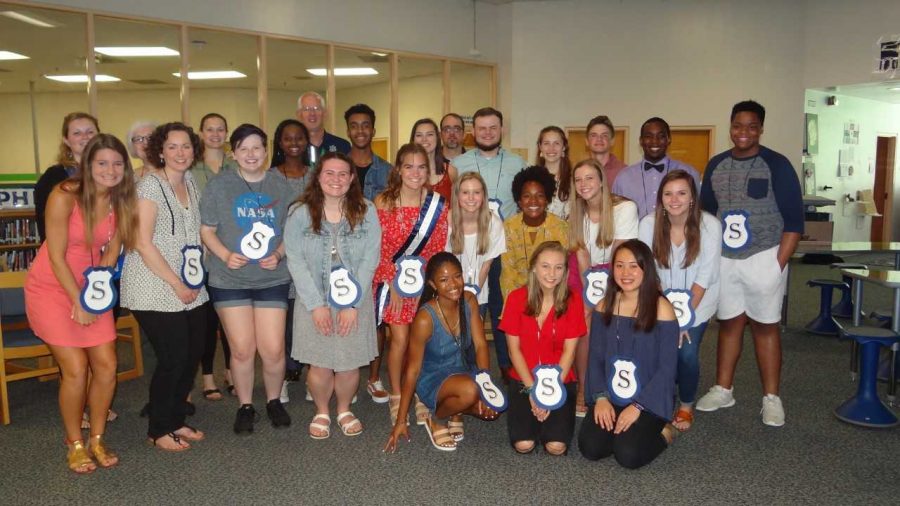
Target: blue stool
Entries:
(865, 408)
(823, 323)
(844, 307)
(883, 318)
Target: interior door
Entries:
(883, 188)
(692, 145)
(578, 148)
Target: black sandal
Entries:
(152, 442)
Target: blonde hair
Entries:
(560, 292)
(579, 211)
(457, 235)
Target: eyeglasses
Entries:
(140, 139)
(311, 108)
(452, 129)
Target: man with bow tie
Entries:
(640, 182)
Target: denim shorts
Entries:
(275, 297)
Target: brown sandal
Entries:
(422, 412)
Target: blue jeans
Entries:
(495, 304)
(689, 365)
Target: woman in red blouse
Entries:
(543, 321)
(414, 224)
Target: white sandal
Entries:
(326, 428)
(345, 427)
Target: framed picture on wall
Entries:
(811, 137)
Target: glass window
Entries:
(470, 90)
(288, 66)
(48, 43)
(145, 56)
(368, 83)
(420, 92)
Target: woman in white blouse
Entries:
(687, 245)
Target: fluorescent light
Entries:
(345, 71)
(27, 19)
(9, 55)
(895, 88)
(82, 78)
(375, 53)
(136, 51)
(212, 74)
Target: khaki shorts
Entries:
(754, 285)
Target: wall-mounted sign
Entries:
(888, 55)
(16, 197)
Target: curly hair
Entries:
(278, 153)
(159, 136)
(537, 174)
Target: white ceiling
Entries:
(873, 91)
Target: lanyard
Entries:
(256, 194)
(499, 172)
(168, 205)
(592, 243)
(526, 235)
(672, 267)
(644, 171)
(550, 314)
(108, 233)
(746, 179)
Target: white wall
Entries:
(686, 61)
(874, 118)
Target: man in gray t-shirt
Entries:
(232, 205)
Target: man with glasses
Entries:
(311, 112)
(600, 137)
(453, 131)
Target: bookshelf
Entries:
(19, 239)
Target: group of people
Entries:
(600, 279)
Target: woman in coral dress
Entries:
(81, 336)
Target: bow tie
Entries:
(658, 166)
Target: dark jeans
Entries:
(495, 305)
(635, 447)
(177, 340)
(289, 363)
(214, 331)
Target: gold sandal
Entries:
(394, 407)
(105, 457)
(422, 413)
(79, 459)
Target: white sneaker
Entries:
(308, 396)
(284, 398)
(716, 398)
(772, 411)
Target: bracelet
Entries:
(527, 390)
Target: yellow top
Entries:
(520, 246)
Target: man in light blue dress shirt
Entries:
(640, 182)
(497, 167)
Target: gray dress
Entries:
(310, 261)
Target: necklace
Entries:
(454, 329)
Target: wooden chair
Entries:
(18, 343)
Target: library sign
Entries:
(13, 198)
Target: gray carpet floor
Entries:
(728, 456)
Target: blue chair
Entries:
(17, 342)
(866, 408)
(823, 323)
(844, 307)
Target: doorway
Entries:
(883, 190)
(693, 146)
(578, 148)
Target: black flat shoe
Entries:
(246, 417)
(277, 414)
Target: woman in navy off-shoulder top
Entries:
(631, 364)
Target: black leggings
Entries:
(213, 330)
(177, 340)
(635, 447)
